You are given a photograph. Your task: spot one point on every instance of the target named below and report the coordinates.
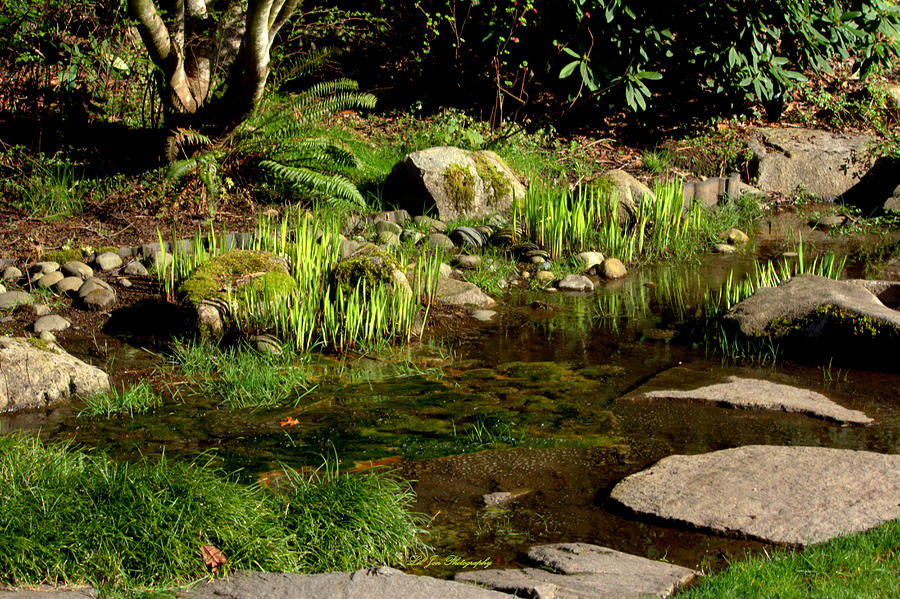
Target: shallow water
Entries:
(527, 404)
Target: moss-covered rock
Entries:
(369, 264)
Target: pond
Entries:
(525, 403)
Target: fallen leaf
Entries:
(212, 557)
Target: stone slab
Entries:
(583, 571)
(47, 592)
(374, 583)
(744, 392)
(792, 495)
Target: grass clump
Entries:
(137, 399)
(860, 565)
(69, 516)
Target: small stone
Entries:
(383, 226)
(469, 237)
(467, 261)
(411, 236)
(430, 224)
(588, 260)
(125, 283)
(576, 283)
(108, 261)
(501, 497)
(69, 284)
(545, 277)
(136, 269)
(735, 236)
(13, 299)
(51, 323)
(48, 337)
(536, 259)
(92, 284)
(266, 345)
(50, 279)
(388, 238)
(41, 309)
(11, 273)
(444, 270)
(439, 240)
(612, 268)
(828, 222)
(2, 289)
(483, 315)
(44, 267)
(99, 299)
(77, 269)
(724, 248)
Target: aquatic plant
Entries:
(78, 517)
(136, 399)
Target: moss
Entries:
(40, 344)
(490, 174)
(533, 371)
(63, 256)
(369, 264)
(103, 249)
(845, 321)
(229, 270)
(459, 183)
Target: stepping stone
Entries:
(582, 571)
(374, 583)
(791, 495)
(744, 392)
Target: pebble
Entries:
(48, 337)
(439, 240)
(50, 279)
(484, 315)
(383, 226)
(69, 284)
(612, 268)
(2, 289)
(51, 323)
(430, 224)
(411, 236)
(13, 299)
(11, 273)
(99, 299)
(77, 269)
(136, 269)
(545, 276)
(735, 236)
(444, 270)
(388, 238)
(125, 283)
(91, 285)
(108, 261)
(41, 309)
(724, 248)
(467, 261)
(588, 260)
(267, 344)
(575, 283)
(44, 267)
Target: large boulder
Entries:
(371, 265)
(822, 315)
(794, 495)
(821, 163)
(37, 374)
(453, 183)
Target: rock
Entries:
(583, 571)
(48, 592)
(453, 183)
(50, 279)
(52, 323)
(373, 265)
(348, 246)
(383, 226)
(2, 289)
(125, 282)
(469, 237)
(735, 236)
(11, 273)
(468, 262)
(92, 284)
(69, 284)
(444, 270)
(502, 497)
(13, 299)
(589, 260)
(77, 269)
(612, 268)
(99, 300)
(575, 283)
(462, 293)
(108, 261)
(792, 495)
(40, 309)
(37, 374)
(430, 224)
(744, 392)
(826, 223)
(483, 315)
(397, 217)
(388, 239)
(842, 316)
(820, 163)
(160, 261)
(411, 236)
(893, 91)
(135, 269)
(439, 241)
(265, 344)
(627, 191)
(544, 277)
(724, 248)
(374, 583)
(44, 267)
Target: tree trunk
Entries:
(185, 38)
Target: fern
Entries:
(329, 187)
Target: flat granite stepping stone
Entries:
(584, 571)
(374, 583)
(791, 495)
(744, 392)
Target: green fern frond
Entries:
(303, 65)
(314, 183)
(180, 168)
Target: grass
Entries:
(137, 399)
(862, 565)
(241, 376)
(70, 516)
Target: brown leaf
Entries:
(212, 557)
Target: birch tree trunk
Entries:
(199, 45)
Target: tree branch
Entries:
(153, 30)
(285, 13)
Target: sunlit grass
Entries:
(136, 399)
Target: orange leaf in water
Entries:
(212, 557)
(289, 421)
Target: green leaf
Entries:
(568, 69)
(650, 75)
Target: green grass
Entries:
(136, 399)
(865, 565)
(240, 376)
(70, 516)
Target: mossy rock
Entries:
(241, 271)
(64, 255)
(369, 264)
(533, 371)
